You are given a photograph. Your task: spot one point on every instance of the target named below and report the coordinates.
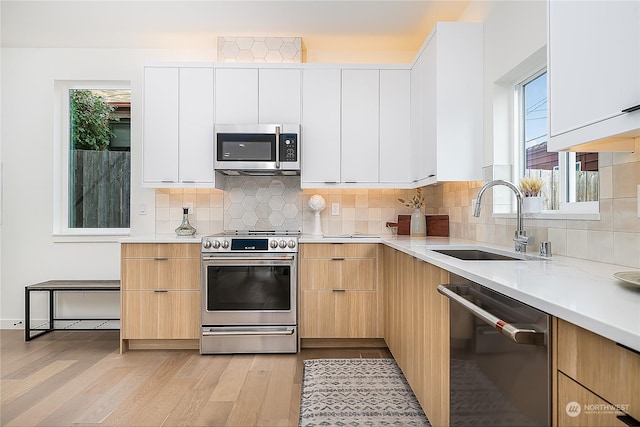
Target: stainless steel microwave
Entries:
(257, 149)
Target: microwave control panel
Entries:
(289, 147)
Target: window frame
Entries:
(567, 209)
(61, 230)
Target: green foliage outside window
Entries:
(90, 115)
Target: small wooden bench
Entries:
(54, 286)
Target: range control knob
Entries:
(291, 244)
(206, 244)
(273, 244)
(282, 244)
(225, 244)
(216, 244)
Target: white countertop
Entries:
(582, 292)
(162, 238)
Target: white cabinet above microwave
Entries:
(594, 75)
(249, 94)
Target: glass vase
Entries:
(185, 229)
(418, 224)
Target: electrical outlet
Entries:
(335, 209)
(189, 206)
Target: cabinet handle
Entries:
(338, 290)
(351, 182)
(337, 259)
(161, 291)
(628, 420)
(330, 182)
(631, 109)
(161, 259)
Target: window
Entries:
(571, 180)
(94, 163)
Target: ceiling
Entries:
(374, 25)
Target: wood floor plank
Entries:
(80, 379)
(232, 379)
(250, 399)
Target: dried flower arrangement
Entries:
(530, 186)
(416, 202)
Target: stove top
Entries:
(251, 241)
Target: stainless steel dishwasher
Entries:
(500, 364)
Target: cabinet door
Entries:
(360, 123)
(428, 116)
(320, 140)
(236, 97)
(139, 274)
(178, 315)
(355, 314)
(359, 274)
(321, 274)
(395, 126)
(195, 159)
(317, 314)
(139, 315)
(594, 61)
(279, 96)
(160, 125)
(178, 274)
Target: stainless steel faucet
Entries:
(520, 238)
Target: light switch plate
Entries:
(189, 206)
(638, 201)
(142, 209)
(335, 209)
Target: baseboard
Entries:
(342, 343)
(144, 344)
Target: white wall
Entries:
(30, 253)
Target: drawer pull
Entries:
(338, 290)
(337, 259)
(160, 291)
(161, 259)
(631, 109)
(629, 420)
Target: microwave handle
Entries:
(277, 147)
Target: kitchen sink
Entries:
(478, 255)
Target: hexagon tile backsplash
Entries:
(263, 203)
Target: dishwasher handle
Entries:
(518, 335)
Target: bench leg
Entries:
(27, 315)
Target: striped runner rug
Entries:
(357, 392)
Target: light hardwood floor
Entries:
(80, 379)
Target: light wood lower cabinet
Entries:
(416, 328)
(339, 290)
(579, 407)
(160, 295)
(605, 373)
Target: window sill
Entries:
(553, 216)
(90, 237)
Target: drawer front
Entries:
(160, 250)
(344, 250)
(608, 370)
(578, 407)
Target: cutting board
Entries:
(437, 225)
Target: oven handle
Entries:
(518, 335)
(247, 259)
(277, 147)
(244, 332)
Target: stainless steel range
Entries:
(249, 293)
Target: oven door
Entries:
(249, 290)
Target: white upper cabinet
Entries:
(594, 74)
(320, 139)
(279, 96)
(395, 127)
(257, 95)
(178, 126)
(447, 82)
(236, 99)
(360, 122)
(195, 153)
(160, 125)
